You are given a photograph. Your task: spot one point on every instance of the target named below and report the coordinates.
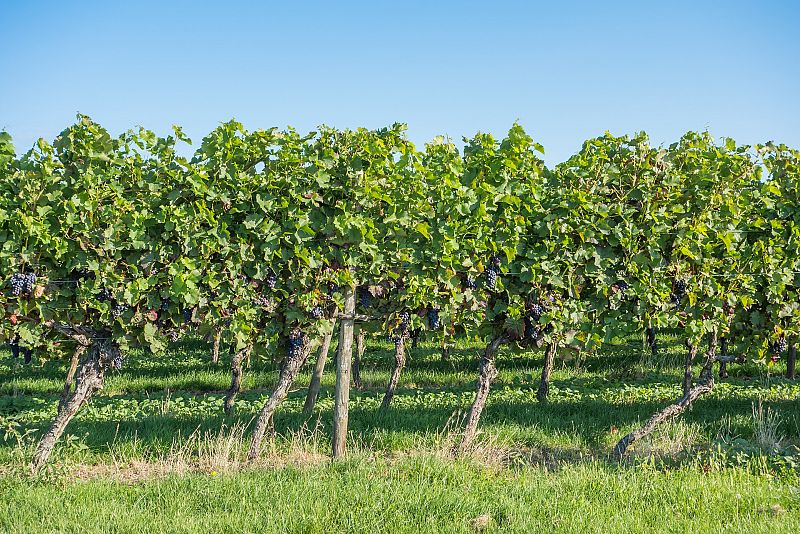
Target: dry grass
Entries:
(671, 439)
(766, 433)
(224, 450)
(482, 522)
(214, 452)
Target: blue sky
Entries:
(566, 70)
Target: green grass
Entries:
(413, 495)
(536, 466)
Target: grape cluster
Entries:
(532, 330)
(295, 344)
(364, 296)
(165, 304)
(261, 301)
(492, 271)
(678, 293)
(187, 315)
(779, 347)
(470, 283)
(317, 312)
(16, 348)
(117, 361)
(30, 281)
(433, 319)
(405, 320)
(622, 285)
(117, 309)
(271, 281)
(22, 284)
(491, 278)
(17, 283)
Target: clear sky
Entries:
(566, 70)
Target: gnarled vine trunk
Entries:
(236, 377)
(446, 347)
(215, 346)
(415, 338)
(703, 386)
(444, 356)
(723, 365)
(73, 366)
(288, 374)
(399, 363)
(487, 374)
(650, 340)
(547, 370)
(691, 354)
(360, 349)
(90, 375)
(316, 377)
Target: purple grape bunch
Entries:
(364, 296)
(22, 284)
(295, 343)
(405, 320)
(532, 329)
(678, 292)
(271, 281)
(117, 309)
(779, 347)
(433, 319)
(117, 361)
(493, 272)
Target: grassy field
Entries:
(154, 452)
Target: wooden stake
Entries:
(343, 363)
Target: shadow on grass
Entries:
(568, 424)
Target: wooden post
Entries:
(791, 362)
(343, 362)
